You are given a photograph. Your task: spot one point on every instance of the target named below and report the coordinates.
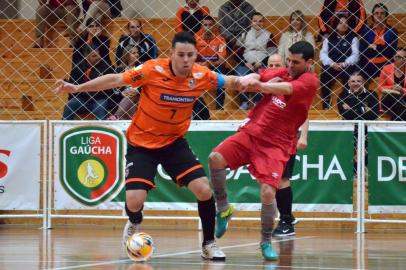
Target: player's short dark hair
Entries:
(304, 48)
(183, 37)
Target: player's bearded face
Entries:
(297, 65)
(183, 57)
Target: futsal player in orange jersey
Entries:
(157, 130)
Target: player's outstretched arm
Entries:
(271, 87)
(239, 83)
(98, 84)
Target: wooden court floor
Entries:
(100, 247)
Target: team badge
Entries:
(91, 163)
(191, 84)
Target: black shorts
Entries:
(287, 173)
(177, 159)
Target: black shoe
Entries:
(283, 229)
(293, 220)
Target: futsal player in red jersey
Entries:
(267, 139)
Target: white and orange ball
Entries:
(140, 247)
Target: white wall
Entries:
(167, 8)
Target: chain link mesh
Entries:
(29, 70)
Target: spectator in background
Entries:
(378, 43)
(297, 32)
(256, 45)
(97, 103)
(136, 36)
(235, 18)
(353, 9)
(49, 11)
(356, 102)
(189, 18)
(339, 56)
(211, 52)
(128, 96)
(392, 85)
(92, 36)
(115, 7)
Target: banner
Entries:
(387, 168)
(20, 156)
(320, 171)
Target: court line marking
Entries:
(174, 254)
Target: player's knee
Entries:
(134, 203)
(134, 206)
(267, 194)
(201, 189)
(216, 161)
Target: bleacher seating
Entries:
(28, 74)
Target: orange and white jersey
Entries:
(166, 101)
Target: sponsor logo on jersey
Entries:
(159, 69)
(91, 163)
(278, 102)
(198, 75)
(177, 99)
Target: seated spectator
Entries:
(378, 43)
(92, 36)
(353, 9)
(339, 55)
(115, 7)
(392, 85)
(97, 103)
(189, 18)
(257, 44)
(211, 52)
(234, 18)
(128, 97)
(47, 14)
(356, 102)
(297, 31)
(135, 36)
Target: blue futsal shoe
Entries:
(222, 219)
(268, 252)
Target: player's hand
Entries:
(346, 106)
(301, 143)
(253, 84)
(64, 87)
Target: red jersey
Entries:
(277, 119)
(166, 101)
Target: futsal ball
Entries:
(140, 247)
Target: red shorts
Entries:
(266, 162)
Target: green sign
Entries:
(323, 173)
(387, 170)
